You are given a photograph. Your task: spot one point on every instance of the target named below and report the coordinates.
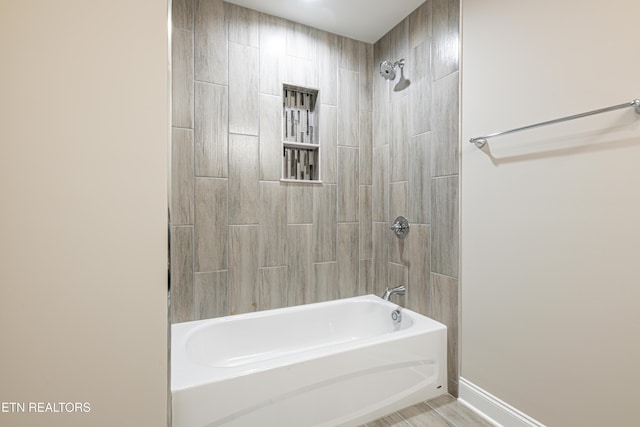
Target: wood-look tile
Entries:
(454, 387)
(398, 203)
(348, 260)
(380, 189)
(210, 133)
(420, 179)
(270, 137)
(328, 143)
(300, 204)
(210, 294)
(443, 307)
(348, 174)
(399, 139)
(380, 101)
(365, 280)
(348, 104)
(398, 49)
(243, 269)
(393, 420)
(366, 146)
(210, 47)
(443, 411)
(445, 31)
(423, 415)
(242, 24)
(243, 179)
(181, 274)
(456, 413)
(324, 223)
(399, 41)
(398, 248)
(299, 266)
(381, 112)
(420, 89)
(301, 72)
(365, 220)
(272, 287)
(327, 51)
(182, 197)
(210, 228)
(273, 46)
(349, 54)
(301, 40)
(182, 12)
(244, 111)
(272, 224)
(367, 73)
(444, 230)
(420, 24)
(380, 257)
(444, 126)
(419, 254)
(182, 79)
(382, 49)
(325, 282)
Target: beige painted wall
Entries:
(549, 218)
(83, 178)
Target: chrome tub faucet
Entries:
(398, 290)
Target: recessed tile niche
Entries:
(300, 136)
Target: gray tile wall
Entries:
(415, 166)
(242, 240)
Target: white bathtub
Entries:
(336, 363)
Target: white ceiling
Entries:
(364, 20)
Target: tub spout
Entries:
(398, 290)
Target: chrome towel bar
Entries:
(481, 140)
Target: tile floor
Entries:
(444, 411)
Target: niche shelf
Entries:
(300, 136)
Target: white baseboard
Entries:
(494, 409)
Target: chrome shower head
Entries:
(387, 70)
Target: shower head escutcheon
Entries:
(388, 68)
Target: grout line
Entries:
(445, 76)
(324, 262)
(419, 134)
(244, 134)
(455, 175)
(211, 177)
(444, 275)
(212, 271)
(210, 83)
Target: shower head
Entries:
(388, 68)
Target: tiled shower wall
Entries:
(415, 166)
(241, 240)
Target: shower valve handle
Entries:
(401, 227)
